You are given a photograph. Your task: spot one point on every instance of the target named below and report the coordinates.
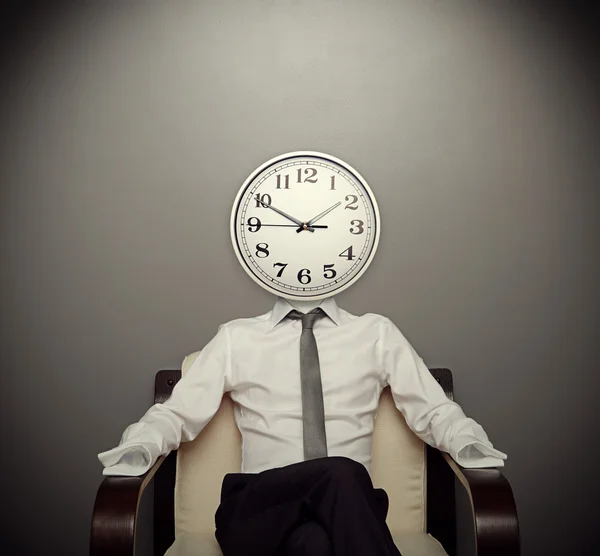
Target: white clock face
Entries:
(305, 225)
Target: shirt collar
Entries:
(283, 307)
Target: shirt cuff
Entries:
(471, 452)
(129, 460)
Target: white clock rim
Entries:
(237, 250)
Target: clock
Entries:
(305, 225)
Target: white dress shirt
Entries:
(257, 361)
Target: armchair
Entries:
(419, 479)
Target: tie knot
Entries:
(308, 319)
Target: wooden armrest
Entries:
(115, 513)
(494, 510)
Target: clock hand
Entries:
(290, 226)
(302, 225)
(319, 216)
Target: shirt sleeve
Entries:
(194, 401)
(429, 413)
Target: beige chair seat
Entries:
(398, 466)
(409, 544)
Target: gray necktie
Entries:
(313, 413)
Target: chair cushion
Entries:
(409, 544)
(398, 466)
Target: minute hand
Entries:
(286, 215)
(319, 216)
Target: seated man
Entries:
(306, 424)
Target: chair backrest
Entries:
(398, 466)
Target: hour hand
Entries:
(318, 217)
(303, 225)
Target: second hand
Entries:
(288, 225)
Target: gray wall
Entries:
(126, 130)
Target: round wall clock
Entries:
(305, 225)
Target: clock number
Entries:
(332, 183)
(254, 224)
(263, 200)
(262, 248)
(352, 205)
(304, 276)
(286, 184)
(328, 272)
(282, 265)
(360, 227)
(347, 254)
(309, 179)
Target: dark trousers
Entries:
(320, 507)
